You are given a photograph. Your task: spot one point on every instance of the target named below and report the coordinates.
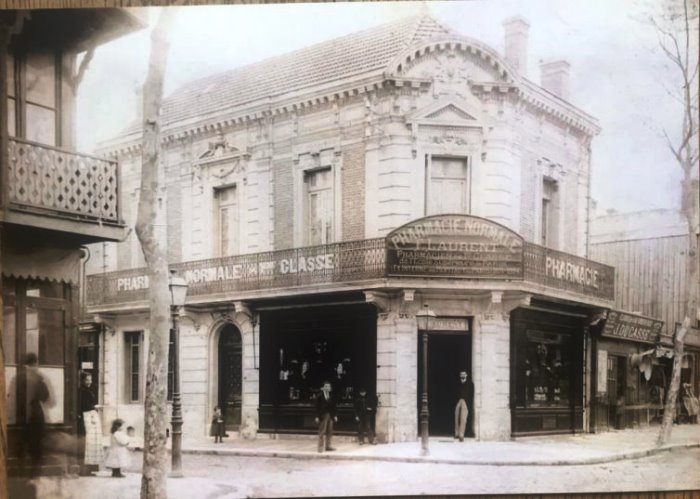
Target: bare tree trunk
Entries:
(678, 43)
(153, 482)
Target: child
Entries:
(117, 454)
(217, 426)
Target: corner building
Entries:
(316, 201)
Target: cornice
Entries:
(339, 91)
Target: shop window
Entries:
(307, 350)
(44, 332)
(319, 206)
(132, 351)
(36, 316)
(448, 190)
(227, 220)
(9, 335)
(547, 369)
(550, 210)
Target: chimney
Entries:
(554, 77)
(515, 30)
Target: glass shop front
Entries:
(546, 372)
(300, 348)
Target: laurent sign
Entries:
(459, 246)
(626, 326)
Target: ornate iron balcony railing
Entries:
(352, 261)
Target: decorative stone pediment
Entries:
(448, 112)
(222, 159)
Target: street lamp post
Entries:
(178, 293)
(423, 319)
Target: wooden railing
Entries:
(46, 179)
(351, 261)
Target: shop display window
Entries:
(303, 368)
(301, 351)
(546, 369)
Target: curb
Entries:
(409, 459)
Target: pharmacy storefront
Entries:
(261, 332)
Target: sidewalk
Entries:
(524, 454)
(527, 451)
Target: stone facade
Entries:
(435, 115)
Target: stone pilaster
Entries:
(406, 417)
(247, 322)
(492, 376)
(491, 363)
(396, 367)
(386, 372)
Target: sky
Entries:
(618, 74)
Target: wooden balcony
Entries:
(54, 189)
(345, 266)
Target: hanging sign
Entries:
(625, 326)
(458, 246)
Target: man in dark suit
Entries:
(365, 408)
(325, 416)
(465, 394)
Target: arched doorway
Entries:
(230, 376)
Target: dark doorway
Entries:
(88, 355)
(448, 354)
(230, 376)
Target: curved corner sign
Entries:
(460, 246)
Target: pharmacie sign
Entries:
(624, 326)
(458, 246)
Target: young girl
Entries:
(217, 426)
(117, 454)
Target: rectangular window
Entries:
(133, 340)
(226, 201)
(32, 96)
(9, 335)
(550, 205)
(448, 190)
(319, 206)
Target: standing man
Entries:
(325, 416)
(465, 393)
(364, 415)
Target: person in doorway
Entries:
(325, 416)
(217, 426)
(464, 395)
(37, 394)
(89, 427)
(365, 408)
(118, 452)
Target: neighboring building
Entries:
(649, 252)
(53, 201)
(316, 201)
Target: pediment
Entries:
(219, 151)
(450, 112)
(447, 112)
